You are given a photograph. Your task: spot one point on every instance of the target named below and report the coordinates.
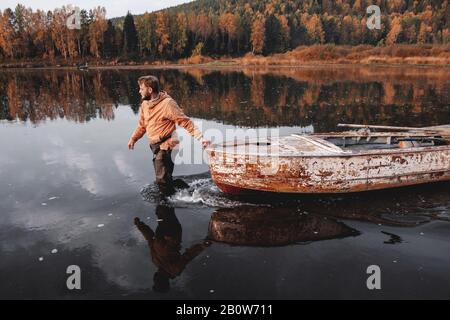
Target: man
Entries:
(158, 116)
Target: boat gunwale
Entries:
(345, 154)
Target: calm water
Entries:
(68, 182)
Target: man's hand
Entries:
(206, 243)
(205, 143)
(131, 144)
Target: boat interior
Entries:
(353, 141)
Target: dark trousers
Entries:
(163, 164)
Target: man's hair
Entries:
(150, 81)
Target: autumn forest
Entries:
(218, 28)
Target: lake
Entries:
(71, 189)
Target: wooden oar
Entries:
(445, 132)
(439, 129)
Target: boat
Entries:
(338, 162)
(83, 66)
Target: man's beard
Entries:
(147, 97)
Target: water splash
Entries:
(201, 192)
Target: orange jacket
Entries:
(158, 118)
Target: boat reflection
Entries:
(289, 220)
(165, 247)
(266, 226)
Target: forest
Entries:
(219, 28)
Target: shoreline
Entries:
(219, 65)
(326, 55)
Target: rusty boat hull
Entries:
(329, 163)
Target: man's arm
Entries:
(139, 132)
(177, 115)
(193, 252)
(146, 231)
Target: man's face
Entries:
(145, 92)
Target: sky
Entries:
(114, 8)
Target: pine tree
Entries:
(109, 46)
(273, 35)
(130, 37)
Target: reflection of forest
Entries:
(318, 96)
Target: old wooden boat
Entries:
(339, 162)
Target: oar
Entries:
(442, 131)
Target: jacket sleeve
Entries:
(177, 115)
(146, 231)
(192, 252)
(140, 130)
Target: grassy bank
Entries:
(364, 54)
(304, 55)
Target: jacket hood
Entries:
(162, 95)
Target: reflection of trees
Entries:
(50, 95)
(322, 98)
(318, 97)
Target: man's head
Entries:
(148, 85)
(161, 282)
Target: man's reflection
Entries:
(165, 247)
